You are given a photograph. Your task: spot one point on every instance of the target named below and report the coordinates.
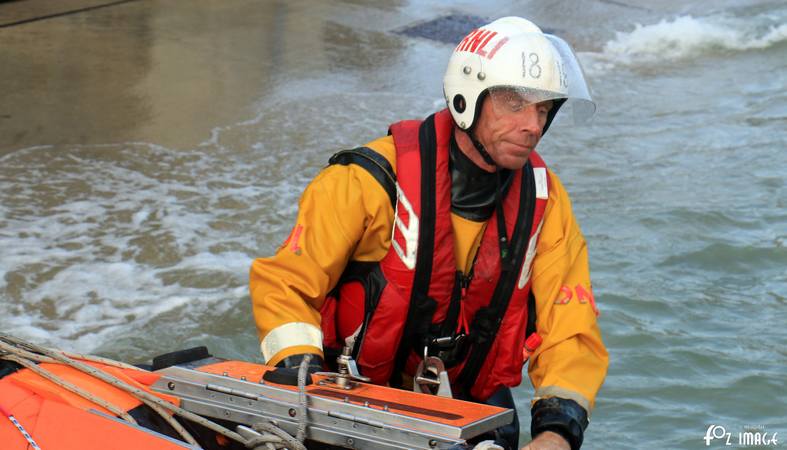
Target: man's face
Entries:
(510, 127)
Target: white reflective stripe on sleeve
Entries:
(542, 190)
(290, 335)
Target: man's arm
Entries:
(569, 367)
(343, 214)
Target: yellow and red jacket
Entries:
(415, 299)
(347, 216)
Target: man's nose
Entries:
(529, 120)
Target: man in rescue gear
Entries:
(449, 238)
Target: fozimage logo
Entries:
(750, 436)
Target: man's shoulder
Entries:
(386, 148)
(559, 201)
(358, 168)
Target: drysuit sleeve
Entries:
(343, 214)
(571, 362)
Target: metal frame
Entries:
(338, 422)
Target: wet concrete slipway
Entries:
(149, 150)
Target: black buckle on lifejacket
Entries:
(450, 349)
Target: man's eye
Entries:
(515, 104)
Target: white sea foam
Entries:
(685, 37)
(91, 236)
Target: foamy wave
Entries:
(101, 241)
(122, 234)
(682, 38)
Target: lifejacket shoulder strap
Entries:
(487, 320)
(374, 163)
(420, 137)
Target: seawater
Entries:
(130, 249)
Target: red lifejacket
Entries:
(414, 285)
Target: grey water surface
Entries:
(149, 150)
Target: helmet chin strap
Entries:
(482, 150)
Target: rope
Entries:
(71, 387)
(267, 427)
(105, 377)
(303, 400)
(271, 438)
(98, 359)
(21, 429)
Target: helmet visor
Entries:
(549, 71)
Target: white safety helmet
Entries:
(513, 54)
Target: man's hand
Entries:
(548, 441)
